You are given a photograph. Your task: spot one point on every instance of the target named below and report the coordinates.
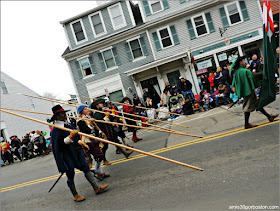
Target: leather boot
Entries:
(272, 117)
(90, 177)
(100, 189)
(128, 153)
(247, 126)
(78, 198)
(106, 163)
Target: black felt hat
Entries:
(96, 102)
(57, 109)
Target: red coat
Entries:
(129, 109)
(211, 80)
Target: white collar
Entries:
(59, 123)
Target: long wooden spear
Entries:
(113, 123)
(157, 120)
(100, 121)
(140, 107)
(106, 141)
(165, 129)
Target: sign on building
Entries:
(204, 64)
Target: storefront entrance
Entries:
(151, 85)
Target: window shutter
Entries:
(146, 8)
(103, 67)
(210, 22)
(78, 69)
(174, 35)
(224, 17)
(182, 1)
(244, 10)
(117, 59)
(156, 40)
(165, 4)
(128, 51)
(144, 47)
(93, 69)
(191, 30)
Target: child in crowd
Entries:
(206, 99)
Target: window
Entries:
(165, 38)
(4, 88)
(200, 26)
(85, 66)
(156, 6)
(97, 24)
(233, 13)
(78, 31)
(109, 58)
(136, 48)
(117, 17)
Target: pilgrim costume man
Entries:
(95, 146)
(107, 129)
(129, 109)
(244, 83)
(68, 153)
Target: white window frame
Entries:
(102, 21)
(239, 11)
(170, 35)
(73, 32)
(205, 23)
(128, 42)
(150, 4)
(111, 18)
(105, 49)
(84, 75)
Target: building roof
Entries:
(89, 12)
(274, 6)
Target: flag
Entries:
(268, 90)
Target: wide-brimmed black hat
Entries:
(125, 99)
(96, 102)
(57, 109)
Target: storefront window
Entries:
(227, 57)
(205, 66)
(250, 50)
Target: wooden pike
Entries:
(112, 123)
(165, 129)
(157, 120)
(106, 141)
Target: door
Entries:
(173, 77)
(152, 86)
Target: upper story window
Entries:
(97, 24)
(233, 13)
(85, 66)
(165, 37)
(156, 6)
(109, 58)
(117, 16)
(4, 88)
(78, 31)
(136, 48)
(200, 25)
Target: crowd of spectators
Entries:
(33, 144)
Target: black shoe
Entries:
(128, 153)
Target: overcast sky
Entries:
(33, 40)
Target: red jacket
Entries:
(128, 109)
(211, 80)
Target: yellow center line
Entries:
(208, 138)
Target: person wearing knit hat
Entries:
(95, 147)
(244, 84)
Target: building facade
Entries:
(122, 48)
(12, 97)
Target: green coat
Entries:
(243, 81)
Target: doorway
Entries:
(173, 77)
(151, 85)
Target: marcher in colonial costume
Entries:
(95, 147)
(107, 129)
(68, 153)
(118, 128)
(245, 85)
(129, 109)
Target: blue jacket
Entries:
(66, 155)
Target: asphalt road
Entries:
(241, 168)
